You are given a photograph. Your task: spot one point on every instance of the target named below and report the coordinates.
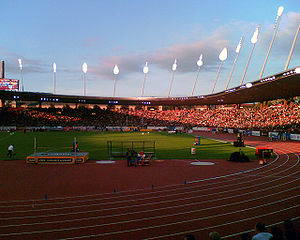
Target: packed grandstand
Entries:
(281, 117)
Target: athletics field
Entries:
(168, 146)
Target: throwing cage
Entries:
(120, 148)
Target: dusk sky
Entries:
(103, 33)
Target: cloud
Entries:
(287, 32)
(186, 54)
(29, 65)
(126, 65)
(285, 35)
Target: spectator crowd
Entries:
(269, 118)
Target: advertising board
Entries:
(9, 84)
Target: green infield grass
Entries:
(168, 146)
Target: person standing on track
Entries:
(128, 156)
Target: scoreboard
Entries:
(9, 84)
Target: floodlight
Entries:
(280, 11)
(174, 66)
(84, 67)
(248, 85)
(116, 70)
(200, 62)
(222, 57)
(146, 69)
(277, 21)
(255, 36)
(297, 70)
(20, 63)
(238, 48)
(292, 48)
(223, 54)
(54, 77)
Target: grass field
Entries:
(168, 146)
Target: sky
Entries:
(128, 33)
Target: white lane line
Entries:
(158, 209)
(170, 195)
(151, 227)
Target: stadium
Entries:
(175, 167)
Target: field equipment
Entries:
(120, 148)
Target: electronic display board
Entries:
(9, 84)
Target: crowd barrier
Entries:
(295, 137)
(195, 130)
(8, 128)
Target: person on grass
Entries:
(10, 150)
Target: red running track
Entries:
(225, 197)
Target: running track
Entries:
(229, 198)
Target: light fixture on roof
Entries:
(280, 11)
(199, 64)
(253, 41)
(116, 72)
(20, 63)
(21, 73)
(174, 67)
(248, 85)
(292, 48)
(84, 69)
(297, 70)
(145, 71)
(277, 21)
(222, 57)
(223, 54)
(255, 35)
(54, 77)
(239, 46)
(145, 68)
(237, 50)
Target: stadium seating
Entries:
(280, 118)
